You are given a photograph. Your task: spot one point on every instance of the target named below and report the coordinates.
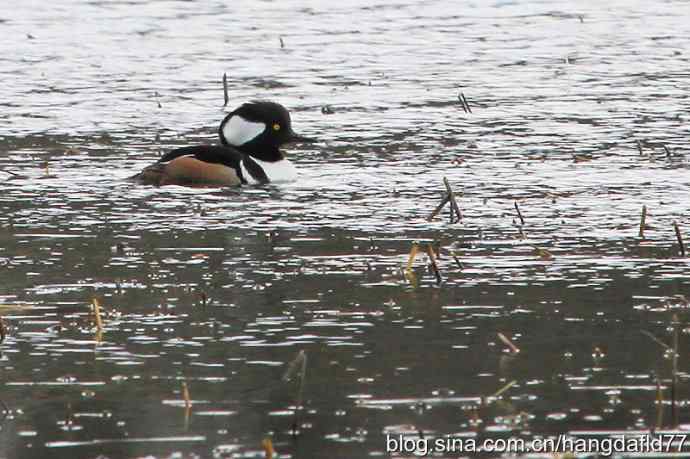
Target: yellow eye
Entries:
(276, 127)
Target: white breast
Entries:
(279, 171)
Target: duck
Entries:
(249, 152)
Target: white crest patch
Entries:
(238, 131)
(279, 171)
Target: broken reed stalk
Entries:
(185, 396)
(438, 208)
(5, 410)
(513, 348)
(282, 43)
(643, 221)
(656, 340)
(639, 147)
(413, 254)
(69, 418)
(449, 197)
(679, 236)
(485, 401)
(299, 364)
(668, 152)
(659, 406)
(503, 389)
(13, 174)
(467, 104)
(434, 265)
(226, 98)
(517, 208)
(674, 375)
(300, 392)
(97, 314)
(437, 248)
(453, 203)
(457, 261)
(463, 103)
(267, 445)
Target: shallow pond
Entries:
(579, 117)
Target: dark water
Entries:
(560, 93)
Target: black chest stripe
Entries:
(256, 171)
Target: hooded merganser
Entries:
(250, 138)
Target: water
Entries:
(222, 288)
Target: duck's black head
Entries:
(259, 129)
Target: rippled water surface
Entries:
(579, 115)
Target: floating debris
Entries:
(327, 110)
(543, 254)
(582, 158)
(282, 43)
(3, 330)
